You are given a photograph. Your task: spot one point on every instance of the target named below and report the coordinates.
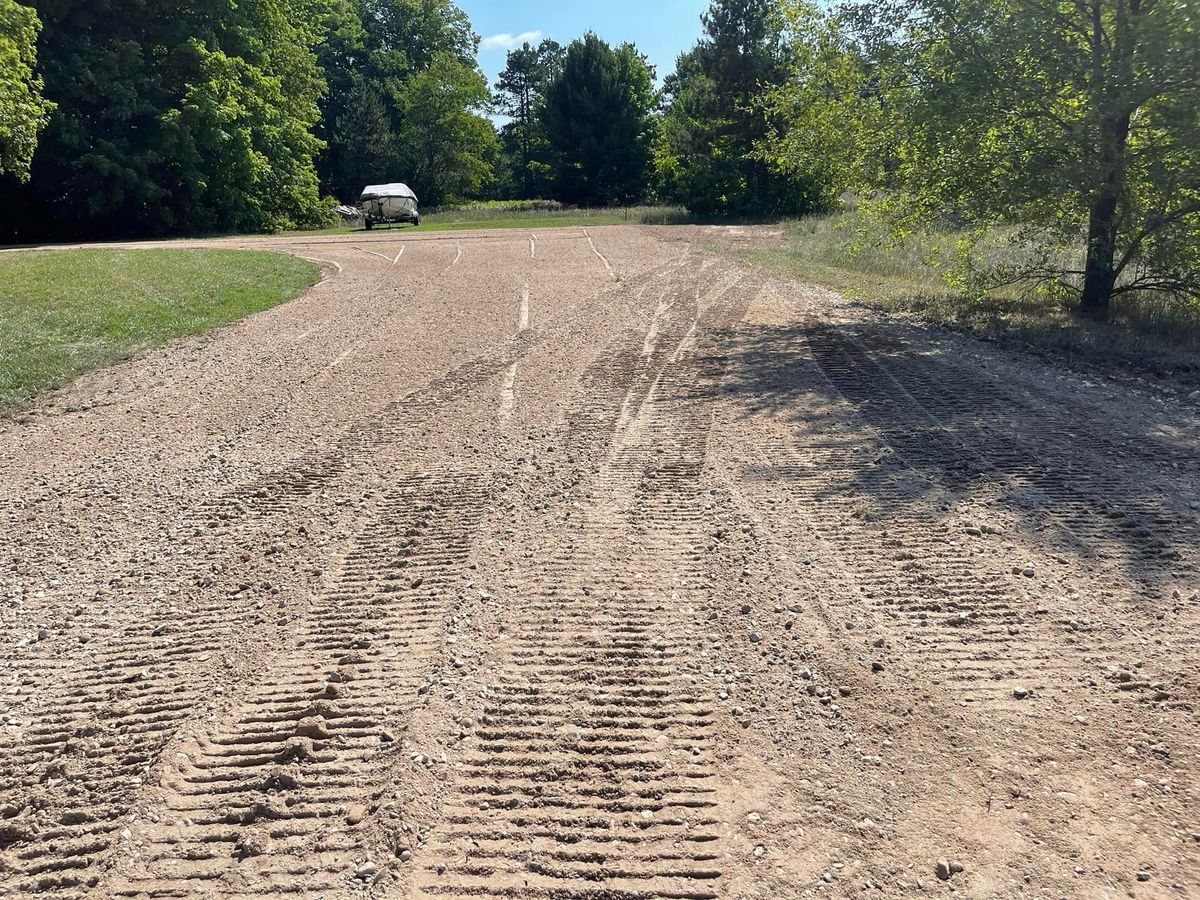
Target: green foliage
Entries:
(67, 312)
(598, 124)
(1077, 120)
(174, 117)
(520, 92)
(406, 101)
(446, 148)
(708, 154)
(857, 253)
(532, 204)
(23, 110)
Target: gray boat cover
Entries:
(397, 189)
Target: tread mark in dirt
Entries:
(276, 491)
(910, 565)
(249, 804)
(622, 375)
(919, 415)
(594, 744)
(604, 259)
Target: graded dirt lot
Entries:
(596, 565)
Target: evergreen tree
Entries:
(520, 92)
(714, 126)
(598, 123)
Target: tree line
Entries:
(1071, 126)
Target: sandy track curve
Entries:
(594, 565)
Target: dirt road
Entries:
(596, 565)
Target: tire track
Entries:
(933, 423)
(247, 803)
(594, 744)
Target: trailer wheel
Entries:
(369, 224)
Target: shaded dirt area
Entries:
(595, 565)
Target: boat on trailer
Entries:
(388, 203)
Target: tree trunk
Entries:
(1099, 270)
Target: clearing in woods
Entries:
(599, 565)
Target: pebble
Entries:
(942, 868)
(1143, 876)
(366, 871)
(1020, 693)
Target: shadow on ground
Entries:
(940, 426)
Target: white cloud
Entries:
(508, 41)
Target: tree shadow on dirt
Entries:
(902, 425)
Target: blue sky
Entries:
(660, 28)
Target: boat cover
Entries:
(397, 189)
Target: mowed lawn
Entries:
(66, 312)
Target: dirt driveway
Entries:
(595, 565)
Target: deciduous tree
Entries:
(23, 110)
(1076, 120)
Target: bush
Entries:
(537, 205)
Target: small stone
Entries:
(357, 813)
(755, 637)
(366, 871)
(942, 868)
(827, 877)
(1143, 876)
(251, 843)
(876, 666)
(405, 855)
(312, 727)
(1020, 693)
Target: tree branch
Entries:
(1157, 225)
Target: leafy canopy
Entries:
(1077, 121)
(23, 110)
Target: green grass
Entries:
(66, 312)
(505, 216)
(844, 252)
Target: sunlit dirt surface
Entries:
(595, 565)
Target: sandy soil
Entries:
(596, 565)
